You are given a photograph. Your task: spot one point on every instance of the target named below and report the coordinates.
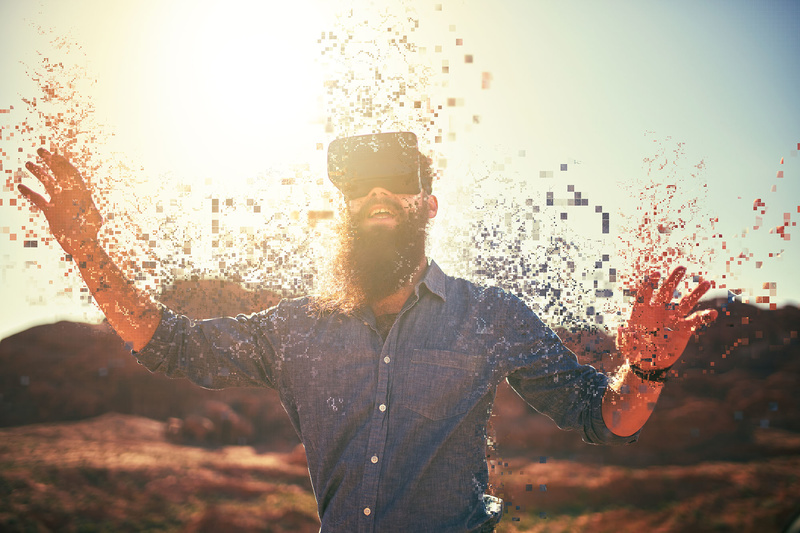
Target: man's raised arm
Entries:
(74, 222)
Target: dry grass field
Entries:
(118, 473)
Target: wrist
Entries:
(651, 375)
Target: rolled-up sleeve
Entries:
(548, 376)
(214, 353)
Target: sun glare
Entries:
(221, 114)
(223, 92)
(202, 127)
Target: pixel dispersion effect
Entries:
(532, 232)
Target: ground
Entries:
(118, 473)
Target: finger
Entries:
(65, 173)
(667, 289)
(645, 291)
(45, 155)
(34, 198)
(701, 318)
(688, 303)
(43, 177)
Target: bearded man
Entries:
(389, 375)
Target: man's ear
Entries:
(433, 206)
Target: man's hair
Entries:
(426, 173)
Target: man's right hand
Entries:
(73, 218)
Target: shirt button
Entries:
(386, 359)
(382, 407)
(367, 511)
(374, 459)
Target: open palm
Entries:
(71, 213)
(659, 330)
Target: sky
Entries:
(688, 105)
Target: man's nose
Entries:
(379, 191)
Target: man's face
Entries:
(381, 244)
(382, 210)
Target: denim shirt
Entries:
(394, 430)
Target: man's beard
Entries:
(372, 263)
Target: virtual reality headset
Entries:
(358, 164)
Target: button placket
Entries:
(379, 429)
(376, 442)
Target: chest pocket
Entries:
(441, 384)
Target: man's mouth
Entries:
(380, 212)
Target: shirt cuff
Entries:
(155, 353)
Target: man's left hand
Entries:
(659, 330)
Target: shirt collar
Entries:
(434, 280)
